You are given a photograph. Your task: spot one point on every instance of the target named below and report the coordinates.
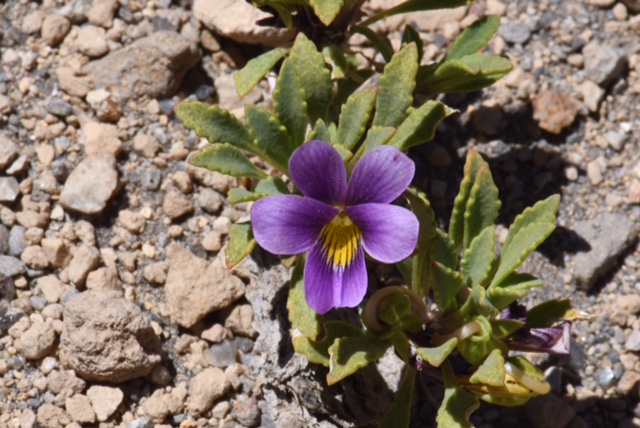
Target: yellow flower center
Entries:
(340, 240)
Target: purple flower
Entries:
(551, 340)
(337, 221)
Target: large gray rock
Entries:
(238, 22)
(152, 66)
(608, 237)
(107, 338)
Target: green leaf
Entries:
(345, 154)
(395, 87)
(270, 136)
(529, 230)
(255, 70)
(238, 195)
(456, 224)
(313, 75)
(501, 329)
(420, 126)
(482, 206)
(272, 186)
(491, 371)
(421, 266)
(354, 116)
(241, 243)
(415, 6)
(377, 136)
(457, 405)
(397, 312)
(337, 59)
(289, 101)
(381, 43)
(411, 35)
(478, 346)
(466, 74)
(327, 10)
(349, 354)
(444, 250)
(446, 284)
(318, 352)
(500, 297)
(478, 258)
(226, 159)
(320, 131)
(547, 313)
(474, 38)
(215, 124)
(399, 413)
(301, 316)
(436, 356)
(483, 305)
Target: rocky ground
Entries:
(116, 309)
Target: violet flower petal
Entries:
(551, 340)
(289, 224)
(327, 287)
(389, 232)
(380, 176)
(318, 171)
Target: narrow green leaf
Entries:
(241, 243)
(446, 284)
(354, 80)
(436, 356)
(541, 212)
(377, 136)
(354, 117)
(415, 6)
(301, 316)
(478, 346)
(456, 224)
(478, 258)
(226, 159)
(327, 10)
(399, 413)
(337, 59)
(547, 313)
(215, 124)
(513, 287)
(289, 102)
(501, 329)
(466, 74)
(420, 126)
(381, 43)
(396, 85)
(320, 131)
(474, 38)
(520, 247)
(491, 371)
(482, 206)
(457, 405)
(256, 69)
(444, 251)
(421, 266)
(239, 195)
(318, 352)
(270, 136)
(272, 186)
(349, 354)
(411, 35)
(313, 75)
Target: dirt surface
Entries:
(116, 309)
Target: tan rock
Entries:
(51, 287)
(175, 205)
(155, 273)
(54, 29)
(107, 338)
(84, 260)
(102, 12)
(51, 416)
(77, 86)
(79, 408)
(196, 287)
(161, 404)
(56, 251)
(101, 138)
(133, 221)
(37, 341)
(31, 219)
(240, 320)
(216, 333)
(205, 388)
(35, 257)
(212, 241)
(554, 110)
(104, 278)
(146, 144)
(104, 400)
(90, 185)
